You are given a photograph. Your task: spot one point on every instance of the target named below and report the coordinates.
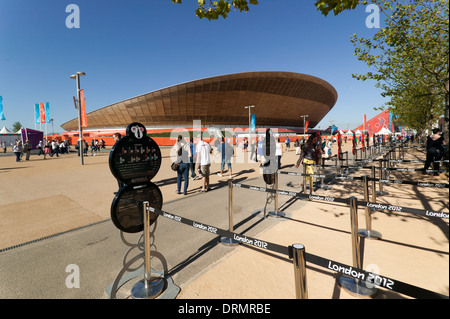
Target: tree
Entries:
(409, 57)
(337, 6)
(212, 10)
(16, 127)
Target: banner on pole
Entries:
(47, 112)
(252, 123)
(42, 112)
(83, 109)
(306, 126)
(37, 113)
(2, 116)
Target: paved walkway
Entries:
(41, 198)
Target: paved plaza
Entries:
(55, 213)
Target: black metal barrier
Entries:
(349, 177)
(356, 273)
(330, 199)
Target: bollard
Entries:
(322, 179)
(352, 285)
(225, 240)
(368, 232)
(275, 212)
(150, 287)
(301, 289)
(380, 183)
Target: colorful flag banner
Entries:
(332, 129)
(306, 126)
(2, 116)
(83, 109)
(252, 123)
(42, 112)
(47, 112)
(37, 113)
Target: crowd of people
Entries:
(194, 159)
(95, 145)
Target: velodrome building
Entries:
(279, 98)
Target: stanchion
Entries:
(226, 240)
(149, 287)
(381, 192)
(368, 232)
(322, 179)
(353, 285)
(276, 212)
(299, 261)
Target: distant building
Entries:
(280, 98)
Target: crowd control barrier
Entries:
(297, 253)
(330, 199)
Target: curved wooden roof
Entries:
(280, 98)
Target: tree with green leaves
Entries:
(212, 10)
(16, 127)
(408, 57)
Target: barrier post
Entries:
(149, 287)
(275, 212)
(380, 183)
(322, 179)
(374, 188)
(356, 286)
(368, 232)
(299, 261)
(225, 240)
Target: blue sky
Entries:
(131, 47)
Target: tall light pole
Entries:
(304, 124)
(80, 130)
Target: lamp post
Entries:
(80, 130)
(304, 124)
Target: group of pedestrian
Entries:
(196, 159)
(44, 147)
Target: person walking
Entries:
(183, 152)
(226, 151)
(27, 149)
(4, 146)
(297, 147)
(204, 151)
(17, 149)
(192, 157)
(435, 150)
(55, 148)
(278, 152)
(308, 158)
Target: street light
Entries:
(80, 130)
(304, 124)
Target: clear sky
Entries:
(131, 47)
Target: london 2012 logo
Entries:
(138, 131)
